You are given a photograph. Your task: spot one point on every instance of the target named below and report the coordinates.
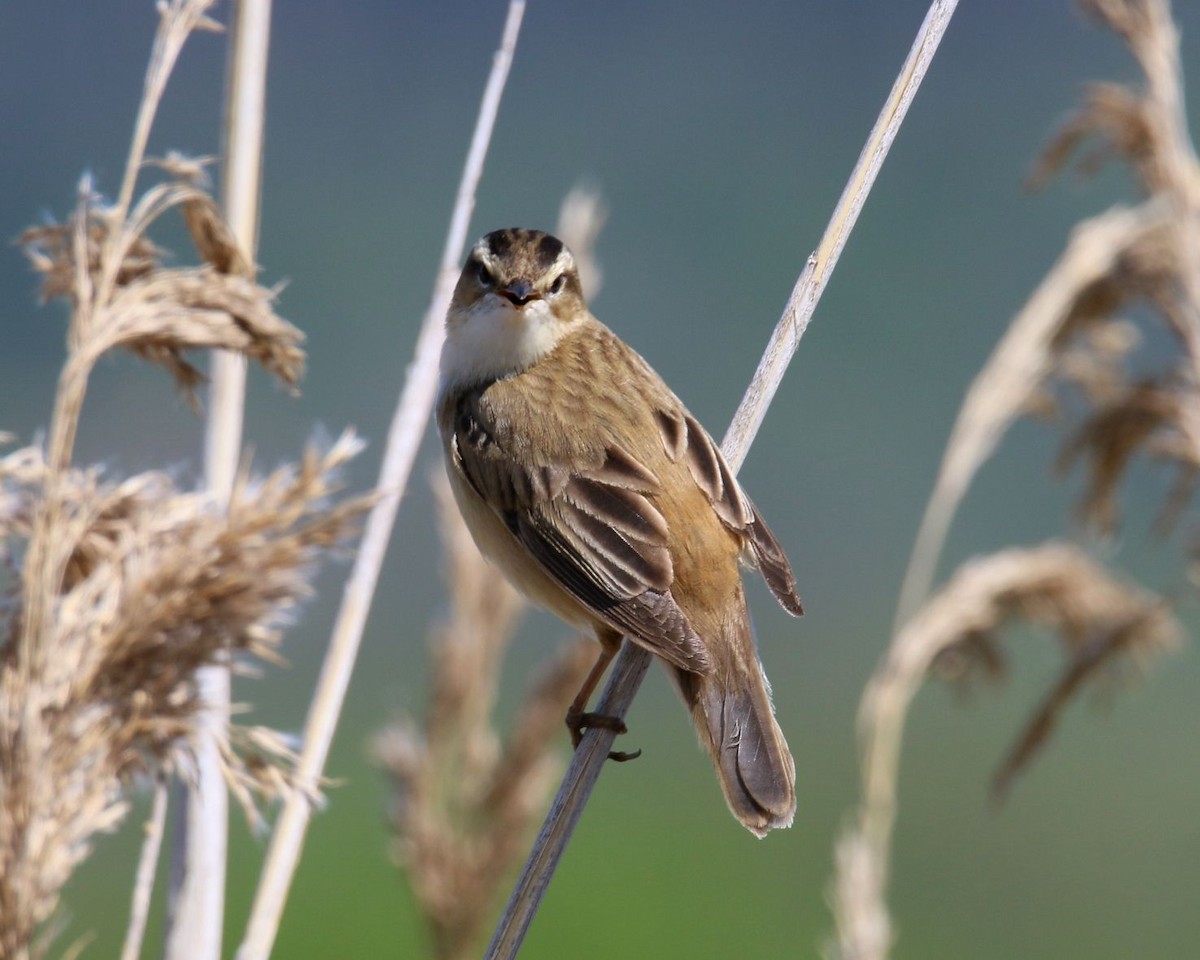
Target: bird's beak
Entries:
(518, 292)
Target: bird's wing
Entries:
(684, 438)
(596, 531)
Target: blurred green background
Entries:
(720, 135)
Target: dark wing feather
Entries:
(649, 616)
(682, 436)
(773, 565)
(596, 532)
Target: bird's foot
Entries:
(580, 720)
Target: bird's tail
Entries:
(731, 709)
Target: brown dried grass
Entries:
(118, 591)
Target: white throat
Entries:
(493, 339)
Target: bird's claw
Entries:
(580, 720)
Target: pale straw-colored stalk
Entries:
(143, 884)
(632, 662)
(404, 437)
(200, 837)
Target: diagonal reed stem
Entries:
(404, 437)
(632, 662)
(143, 886)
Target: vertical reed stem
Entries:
(201, 819)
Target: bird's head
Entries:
(518, 295)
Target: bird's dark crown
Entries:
(522, 264)
(531, 251)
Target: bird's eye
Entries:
(559, 282)
(483, 274)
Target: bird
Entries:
(587, 482)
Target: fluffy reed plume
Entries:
(156, 583)
(1103, 624)
(122, 296)
(1069, 349)
(118, 591)
(1154, 414)
(465, 802)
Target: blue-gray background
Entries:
(720, 135)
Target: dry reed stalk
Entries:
(1013, 380)
(404, 436)
(632, 662)
(802, 303)
(143, 884)
(464, 806)
(200, 838)
(464, 801)
(1069, 337)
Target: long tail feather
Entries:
(731, 709)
